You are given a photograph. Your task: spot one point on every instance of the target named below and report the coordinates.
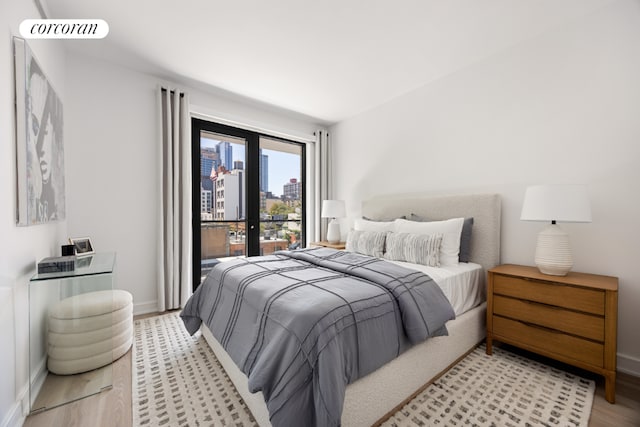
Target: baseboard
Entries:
(145, 307)
(14, 417)
(18, 412)
(629, 365)
(39, 376)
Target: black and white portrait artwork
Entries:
(41, 193)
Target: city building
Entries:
(225, 154)
(205, 200)
(229, 195)
(264, 172)
(292, 190)
(208, 163)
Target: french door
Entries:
(248, 194)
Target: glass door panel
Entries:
(281, 195)
(223, 205)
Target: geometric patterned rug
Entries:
(500, 390)
(178, 381)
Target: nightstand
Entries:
(324, 243)
(570, 318)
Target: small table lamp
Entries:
(333, 209)
(566, 203)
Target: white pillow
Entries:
(450, 229)
(362, 224)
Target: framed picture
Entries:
(39, 148)
(83, 245)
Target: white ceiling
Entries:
(327, 59)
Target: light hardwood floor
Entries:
(112, 408)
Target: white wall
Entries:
(20, 247)
(112, 162)
(560, 108)
(111, 168)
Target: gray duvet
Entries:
(303, 324)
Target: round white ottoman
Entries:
(89, 330)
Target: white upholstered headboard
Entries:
(484, 208)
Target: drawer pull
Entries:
(544, 328)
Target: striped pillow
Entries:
(366, 242)
(415, 248)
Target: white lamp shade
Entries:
(333, 209)
(562, 203)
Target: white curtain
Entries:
(323, 181)
(175, 236)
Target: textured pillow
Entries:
(465, 236)
(416, 248)
(450, 229)
(366, 242)
(362, 224)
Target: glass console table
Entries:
(46, 290)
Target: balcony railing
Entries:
(224, 239)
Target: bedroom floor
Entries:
(113, 407)
(625, 412)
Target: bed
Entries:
(374, 396)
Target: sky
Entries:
(282, 166)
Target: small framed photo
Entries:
(82, 244)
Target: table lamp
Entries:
(561, 203)
(333, 209)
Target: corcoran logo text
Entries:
(64, 29)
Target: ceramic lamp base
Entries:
(553, 252)
(333, 231)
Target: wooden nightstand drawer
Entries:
(572, 322)
(581, 299)
(538, 338)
